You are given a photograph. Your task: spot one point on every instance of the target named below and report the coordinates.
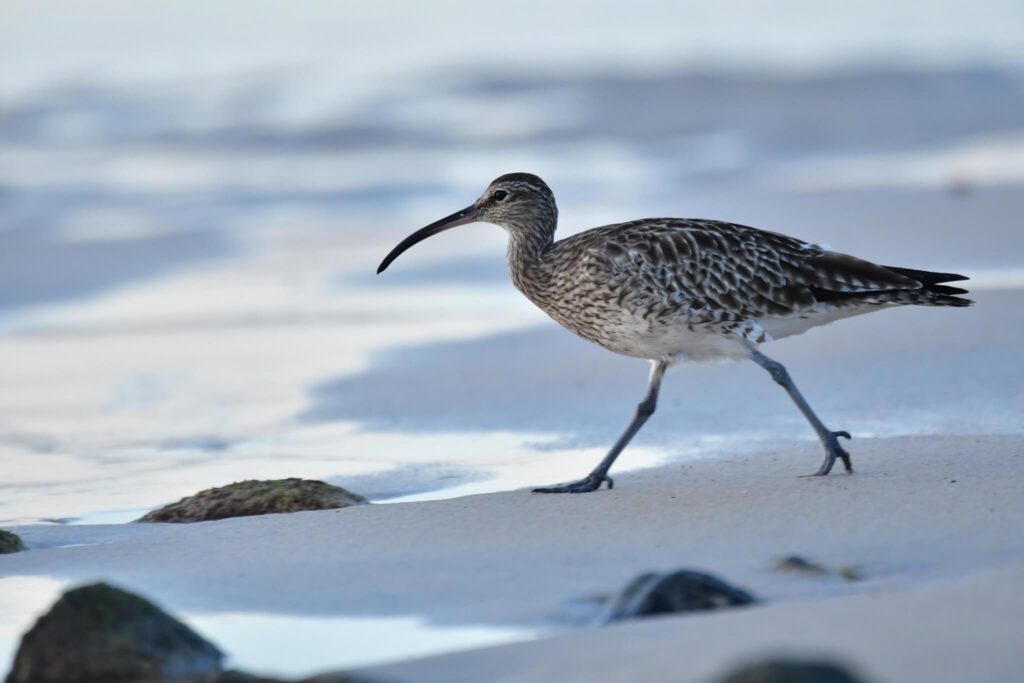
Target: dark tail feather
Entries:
(939, 294)
(944, 300)
(943, 289)
(927, 277)
(930, 293)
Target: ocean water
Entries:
(193, 199)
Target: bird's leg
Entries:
(829, 439)
(593, 481)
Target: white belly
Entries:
(719, 341)
(680, 342)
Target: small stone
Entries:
(797, 563)
(242, 677)
(10, 542)
(850, 573)
(102, 634)
(247, 498)
(672, 593)
(791, 672)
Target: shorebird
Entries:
(671, 290)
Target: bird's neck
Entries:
(526, 258)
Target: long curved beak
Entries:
(467, 215)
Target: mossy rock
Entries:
(102, 634)
(10, 542)
(791, 671)
(248, 498)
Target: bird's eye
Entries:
(500, 195)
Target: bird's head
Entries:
(521, 203)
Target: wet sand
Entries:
(924, 521)
(963, 630)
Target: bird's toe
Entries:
(590, 483)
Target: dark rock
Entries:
(785, 671)
(670, 593)
(247, 498)
(10, 542)
(101, 634)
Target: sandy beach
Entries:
(927, 522)
(190, 223)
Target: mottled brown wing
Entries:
(713, 271)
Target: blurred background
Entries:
(194, 197)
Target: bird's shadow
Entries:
(540, 380)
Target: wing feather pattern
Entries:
(712, 271)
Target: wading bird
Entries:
(672, 289)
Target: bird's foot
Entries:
(833, 452)
(591, 482)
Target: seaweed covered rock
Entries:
(247, 498)
(791, 671)
(10, 542)
(673, 592)
(102, 634)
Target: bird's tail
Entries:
(933, 292)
